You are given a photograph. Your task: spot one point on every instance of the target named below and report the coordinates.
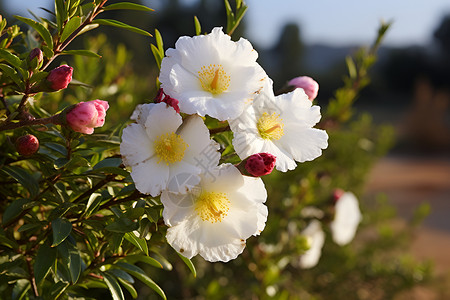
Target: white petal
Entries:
(161, 119)
(316, 236)
(135, 146)
(202, 151)
(346, 220)
(305, 144)
(183, 176)
(140, 113)
(150, 177)
(284, 161)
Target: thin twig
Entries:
(43, 121)
(32, 279)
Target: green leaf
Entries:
(61, 229)
(93, 202)
(127, 5)
(11, 58)
(145, 259)
(71, 258)
(188, 263)
(57, 289)
(20, 289)
(159, 42)
(121, 25)
(48, 52)
(198, 27)
(24, 178)
(7, 242)
(29, 226)
(156, 55)
(122, 225)
(14, 210)
(140, 274)
(38, 76)
(81, 52)
(139, 243)
(61, 14)
(114, 287)
(108, 162)
(129, 287)
(118, 273)
(45, 259)
(43, 32)
(70, 27)
(11, 73)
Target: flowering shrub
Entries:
(90, 201)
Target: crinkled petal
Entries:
(150, 177)
(161, 119)
(136, 146)
(304, 143)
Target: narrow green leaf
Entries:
(198, 27)
(157, 55)
(57, 289)
(108, 162)
(8, 243)
(129, 287)
(114, 287)
(20, 289)
(38, 76)
(45, 259)
(29, 226)
(139, 243)
(122, 225)
(118, 273)
(140, 274)
(61, 229)
(127, 5)
(351, 67)
(115, 23)
(48, 52)
(71, 259)
(93, 202)
(61, 14)
(43, 32)
(81, 52)
(14, 210)
(159, 42)
(188, 263)
(24, 178)
(11, 58)
(70, 27)
(145, 259)
(11, 73)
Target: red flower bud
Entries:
(86, 116)
(27, 145)
(163, 97)
(60, 77)
(257, 165)
(337, 193)
(36, 52)
(309, 85)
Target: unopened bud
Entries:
(86, 116)
(60, 77)
(309, 85)
(27, 145)
(337, 194)
(36, 54)
(257, 165)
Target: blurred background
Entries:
(410, 87)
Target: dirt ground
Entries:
(407, 182)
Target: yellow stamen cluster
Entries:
(214, 79)
(212, 207)
(270, 126)
(170, 148)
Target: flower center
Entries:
(170, 147)
(212, 207)
(214, 79)
(270, 127)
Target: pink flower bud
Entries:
(337, 194)
(60, 77)
(36, 52)
(27, 145)
(163, 97)
(86, 116)
(257, 165)
(309, 85)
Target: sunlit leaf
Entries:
(43, 32)
(45, 259)
(127, 5)
(61, 229)
(70, 27)
(121, 25)
(114, 287)
(80, 52)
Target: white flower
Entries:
(215, 219)
(163, 151)
(346, 219)
(316, 238)
(281, 126)
(211, 74)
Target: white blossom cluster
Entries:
(213, 209)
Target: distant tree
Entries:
(442, 35)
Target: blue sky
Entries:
(333, 22)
